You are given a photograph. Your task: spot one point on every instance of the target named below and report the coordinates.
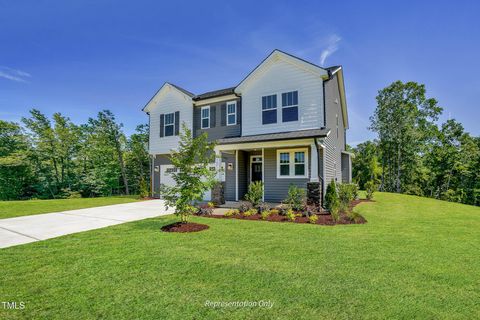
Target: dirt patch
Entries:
(184, 227)
(323, 217)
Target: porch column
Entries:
(314, 162)
(263, 174)
(236, 175)
(218, 163)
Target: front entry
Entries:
(256, 168)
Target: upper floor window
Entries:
(231, 113)
(206, 117)
(269, 109)
(292, 163)
(290, 106)
(169, 126)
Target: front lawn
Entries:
(415, 258)
(10, 209)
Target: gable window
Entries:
(205, 117)
(231, 113)
(292, 163)
(169, 126)
(269, 109)
(290, 106)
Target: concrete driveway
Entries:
(15, 231)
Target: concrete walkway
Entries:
(15, 231)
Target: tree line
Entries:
(414, 153)
(54, 158)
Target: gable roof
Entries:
(164, 87)
(276, 55)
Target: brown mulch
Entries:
(184, 227)
(324, 217)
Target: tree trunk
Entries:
(122, 166)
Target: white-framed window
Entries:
(269, 109)
(292, 163)
(231, 113)
(169, 125)
(290, 106)
(205, 115)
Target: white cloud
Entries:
(332, 46)
(14, 74)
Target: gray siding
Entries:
(219, 130)
(276, 189)
(229, 176)
(335, 142)
(160, 159)
(242, 173)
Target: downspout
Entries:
(320, 177)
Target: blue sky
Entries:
(79, 57)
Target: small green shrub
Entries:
(295, 198)
(334, 211)
(313, 218)
(345, 195)
(232, 212)
(143, 189)
(355, 195)
(331, 195)
(265, 214)
(205, 209)
(250, 212)
(255, 193)
(244, 206)
(291, 215)
(274, 211)
(353, 216)
(370, 188)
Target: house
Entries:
(285, 123)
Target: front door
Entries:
(256, 171)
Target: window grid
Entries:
(169, 123)
(269, 108)
(290, 106)
(205, 117)
(292, 163)
(231, 113)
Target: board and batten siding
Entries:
(281, 77)
(169, 101)
(229, 176)
(335, 142)
(276, 189)
(242, 173)
(219, 128)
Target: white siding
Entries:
(279, 77)
(170, 100)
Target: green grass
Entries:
(10, 209)
(415, 258)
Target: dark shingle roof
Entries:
(213, 94)
(323, 132)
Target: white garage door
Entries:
(166, 177)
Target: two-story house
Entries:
(284, 123)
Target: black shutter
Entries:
(239, 111)
(223, 115)
(177, 122)
(162, 124)
(213, 116)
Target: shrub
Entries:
(291, 215)
(370, 188)
(353, 216)
(244, 206)
(345, 195)
(311, 210)
(263, 207)
(295, 198)
(331, 195)
(313, 218)
(205, 209)
(143, 189)
(274, 211)
(255, 193)
(265, 214)
(354, 187)
(232, 212)
(250, 212)
(334, 211)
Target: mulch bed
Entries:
(184, 227)
(324, 217)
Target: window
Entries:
(292, 163)
(231, 113)
(169, 126)
(290, 106)
(205, 117)
(269, 109)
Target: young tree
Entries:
(365, 165)
(193, 176)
